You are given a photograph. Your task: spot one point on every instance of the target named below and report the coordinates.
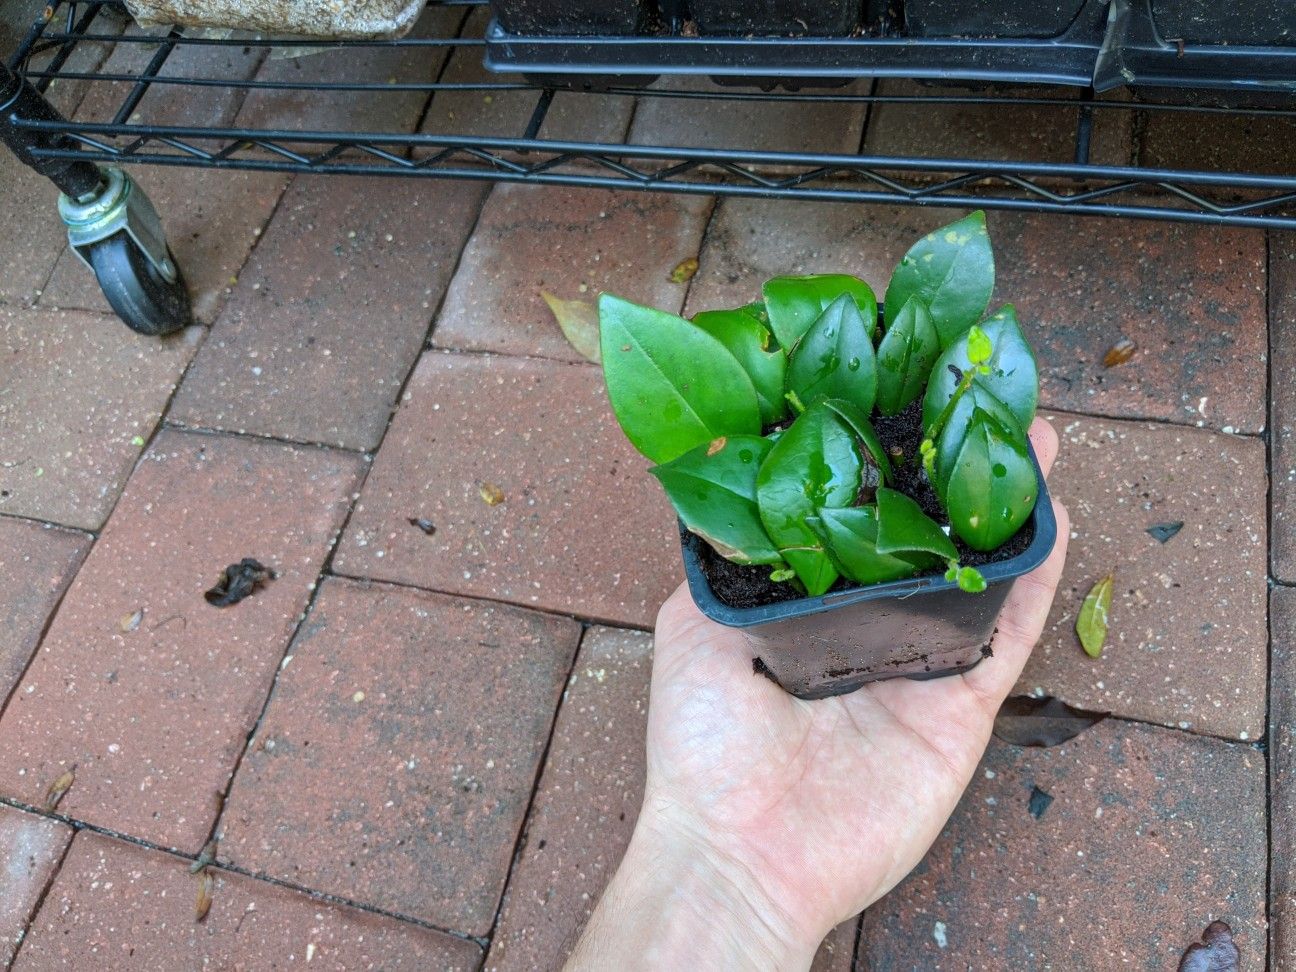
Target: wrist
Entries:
(679, 901)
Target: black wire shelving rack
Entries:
(1075, 184)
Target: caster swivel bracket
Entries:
(118, 205)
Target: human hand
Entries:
(767, 819)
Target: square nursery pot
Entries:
(997, 18)
(570, 17)
(922, 627)
(781, 18)
(1259, 23)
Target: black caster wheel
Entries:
(141, 295)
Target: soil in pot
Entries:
(742, 586)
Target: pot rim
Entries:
(1041, 545)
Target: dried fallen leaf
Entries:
(684, 270)
(1091, 625)
(1039, 802)
(1164, 531)
(131, 622)
(1119, 353)
(238, 581)
(204, 902)
(205, 856)
(1025, 720)
(1216, 952)
(578, 320)
(427, 526)
(491, 494)
(58, 789)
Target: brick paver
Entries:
(81, 394)
(330, 312)
(1237, 143)
(1187, 638)
(585, 809)
(581, 529)
(116, 906)
(1192, 298)
(750, 124)
(30, 850)
(38, 563)
(1282, 779)
(1031, 133)
(571, 117)
(151, 712)
(397, 757)
(561, 240)
(211, 218)
(1282, 406)
(313, 109)
(1150, 835)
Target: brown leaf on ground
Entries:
(579, 322)
(204, 902)
(58, 789)
(684, 270)
(1119, 353)
(1216, 952)
(205, 856)
(239, 581)
(491, 494)
(1091, 625)
(1025, 720)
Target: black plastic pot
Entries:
(1257, 22)
(923, 627)
(979, 18)
(778, 18)
(569, 17)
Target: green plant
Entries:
(759, 418)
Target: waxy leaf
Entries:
(952, 271)
(903, 528)
(905, 357)
(672, 386)
(752, 343)
(950, 442)
(578, 320)
(794, 303)
(814, 465)
(859, 423)
(1163, 532)
(1091, 625)
(713, 489)
(835, 358)
(850, 535)
(1013, 377)
(992, 487)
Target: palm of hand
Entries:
(834, 800)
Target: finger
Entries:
(1021, 621)
(1044, 439)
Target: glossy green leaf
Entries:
(814, 465)
(713, 489)
(903, 528)
(794, 303)
(952, 271)
(992, 487)
(672, 386)
(905, 357)
(950, 441)
(1091, 625)
(752, 343)
(859, 423)
(851, 537)
(835, 358)
(1013, 377)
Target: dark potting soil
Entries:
(742, 586)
